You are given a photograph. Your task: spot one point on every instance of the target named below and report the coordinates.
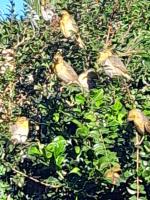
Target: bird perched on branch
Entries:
(8, 60)
(8, 54)
(67, 74)
(70, 29)
(112, 64)
(19, 130)
(64, 70)
(141, 122)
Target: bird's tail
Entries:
(127, 76)
(80, 42)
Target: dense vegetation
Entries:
(80, 145)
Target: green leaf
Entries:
(90, 116)
(50, 147)
(54, 181)
(75, 170)
(117, 106)
(77, 149)
(77, 122)
(34, 151)
(83, 131)
(56, 117)
(2, 170)
(79, 99)
(59, 160)
(59, 146)
(97, 98)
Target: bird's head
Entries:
(43, 2)
(23, 122)
(58, 57)
(134, 114)
(103, 55)
(64, 12)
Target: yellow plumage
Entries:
(70, 29)
(19, 130)
(63, 70)
(141, 122)
(112, 64)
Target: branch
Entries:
(35, 180)
(137, 167)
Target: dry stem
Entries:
(35, 180)
(137, 167)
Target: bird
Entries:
(70, 29)
(112, 64)
(68, 75)
(8, 60)
(64, 70)
(141, 122)
(113, 174)
(49, 13)
(8, 54)
(19, 130)
(85, 79)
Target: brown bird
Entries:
(63, 70)
(141, 122)
(8, 60)
(67, 74)
(8, 54)
(113, 174)
(70, 29)
(112, 64)
(19, 130)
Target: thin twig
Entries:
(126, 33)
(131, 100)
(108, 36)
(137, 167)
(36, 180)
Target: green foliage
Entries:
(75, 137)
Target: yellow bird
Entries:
(70, 29)
(113, 174)
(63, 70)
(85, 79)
(141, 122)
(112, 64)
(19, 130)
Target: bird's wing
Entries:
(74, 25)
(66, 72)
(147, 126)
(63, 29)
(140, 126)
(13, 129)
(70, 70)
(116, 62)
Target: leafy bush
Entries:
(80, 145)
